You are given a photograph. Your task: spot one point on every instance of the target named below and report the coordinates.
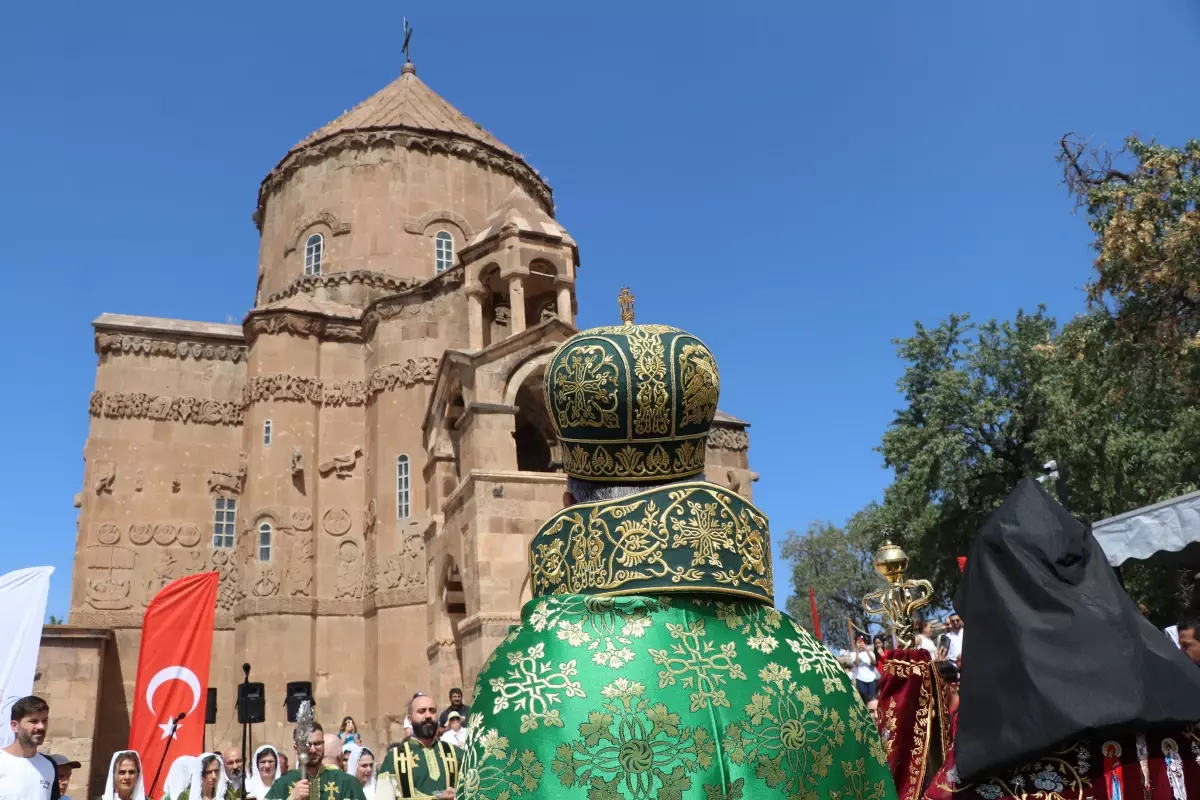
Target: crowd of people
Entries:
(342, 759)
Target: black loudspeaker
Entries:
(210, 708)
(297, 692)
(252, 703)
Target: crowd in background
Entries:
(26, 774)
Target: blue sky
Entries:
(794, 182)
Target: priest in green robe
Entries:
(422, 765)
(651, 663)
(320, 781)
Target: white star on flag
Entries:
(167, 732)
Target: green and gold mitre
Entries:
(633, 403)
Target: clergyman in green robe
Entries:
(423, 765)
(322, 781)
(651, 663)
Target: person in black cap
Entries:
(64, 767)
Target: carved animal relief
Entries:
(106, 475)
(297, 461)
(231, 482)
(342, 466)
(336, 522)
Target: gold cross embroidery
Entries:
(331, 790)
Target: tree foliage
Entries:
(1113, 397)
(836, 563)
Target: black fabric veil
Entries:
(1055, 650)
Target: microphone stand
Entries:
(174, 726)
(245, 725)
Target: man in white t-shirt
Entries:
(26, 774)
(864, 670)
(954, 624)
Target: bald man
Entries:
(333, 751)
(233, 765)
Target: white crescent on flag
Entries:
(176, 673)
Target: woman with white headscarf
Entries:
(209, 780)
(361, 765)
(264, 769)
(124, 777)
(179, 777)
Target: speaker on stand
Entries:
(210, 713)
(297, 693)
(251, 708)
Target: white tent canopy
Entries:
(1160, 532)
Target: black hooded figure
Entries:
(1058, 652)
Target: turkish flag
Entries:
(172, 674)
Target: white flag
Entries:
(23, 596)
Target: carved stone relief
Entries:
(176, 486)
(106, 475)
(389, 377)
(282, 386)
(307, 284)
(189, 535)
(109, 577)
(138, 405)
(139, 481)
(548, 311)
(370, 519)
(336, 522)
(349, 576)
(341, 466)
(267, 584)
(302, 519)
(140, 533)
(299, 569)
(405, 569)
(164, 534)
(108, 534)
(728, 439)
(229, 591)
(232, 482)
(297, 461)
(165, 571)
(137, 345)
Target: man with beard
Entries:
(456, 704)
(233, 765)
(422, 766)
(319, 781)
(26, 774)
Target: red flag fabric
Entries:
(962, 563)
(172, 674)
(812, 601)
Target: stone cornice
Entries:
(422, 224)
(389, 377)
(735, 440)
(467, 484)
(491, 620)
(139, 405)
(299, 323)
(124, 344)
(365, 277)
(407, 139)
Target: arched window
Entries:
(314, 248)
(264, 542)
(443, 251)
(403, 488)
(266, 432)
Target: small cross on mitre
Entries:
(625, 301)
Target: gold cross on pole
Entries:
(901, 597)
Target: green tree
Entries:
(965, 436)
(55, 620)
(836, 563)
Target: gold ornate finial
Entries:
(625, 301)
(901, 597)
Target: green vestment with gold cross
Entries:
(331, 783)
(414, 770)
(650, 663)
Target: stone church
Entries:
(363, 460)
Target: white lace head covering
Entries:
(110, 787)
(179, 777)
(352, 769)
(195, 792)
(255, 786)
